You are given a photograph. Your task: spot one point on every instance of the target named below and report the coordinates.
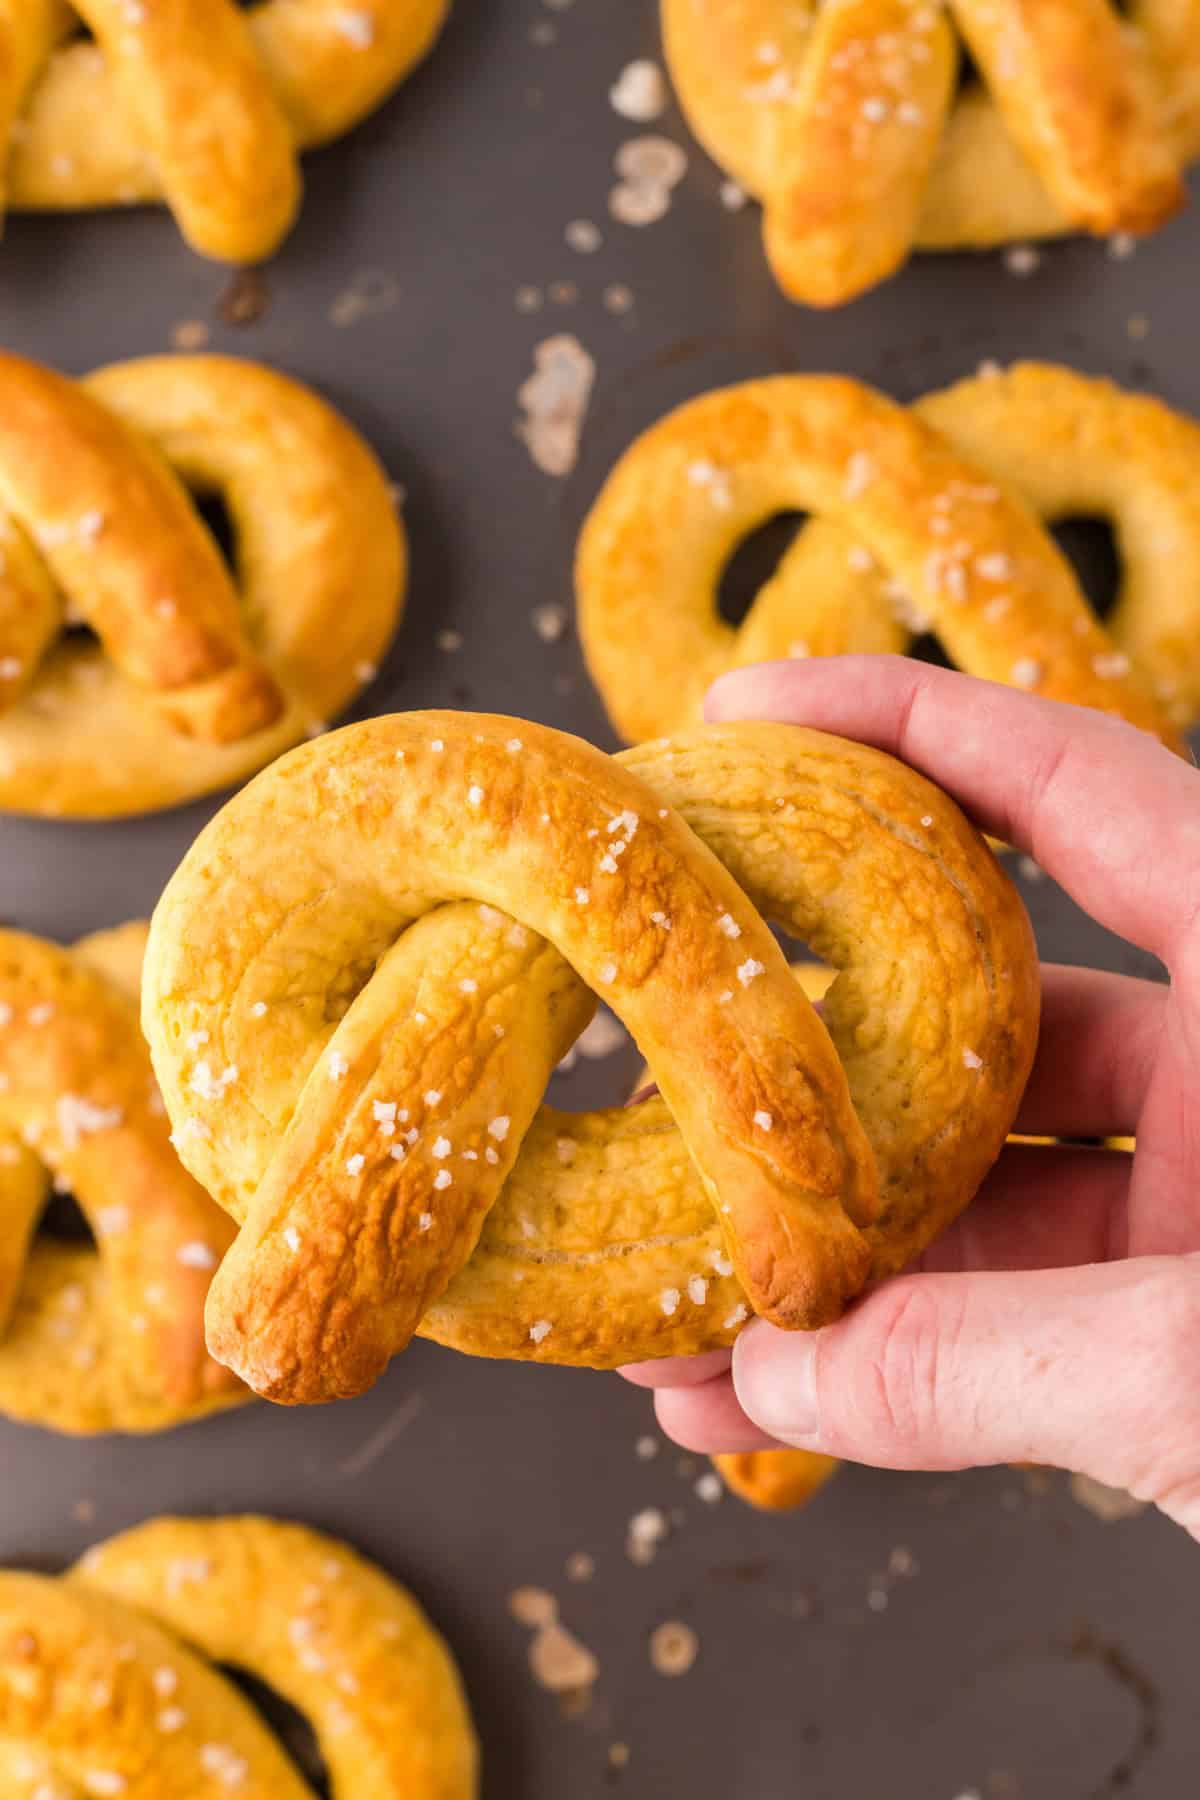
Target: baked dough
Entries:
(186, 683)
(776, 1480)
(197, 103)
(844, 119)
(925, 518)
(107, 1685)
(109, 1338)
(396, 989)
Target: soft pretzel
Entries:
(194, 682)
(109, 1338)
(776, 1480)
(195, 102)
(917, 525)
(396, 989)
(842, 119)
(107, 1685)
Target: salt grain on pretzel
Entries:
(109, 1338)
(945, 527)
(843, 119)
(670, 1219)
(203, 106)
(193, 679)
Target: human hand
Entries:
(1058, 1321)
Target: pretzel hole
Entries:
(753, 563)
(927, 648)
(968, 72)
(1090, 546)
(292, 1730)
(210, 504)
(64, 1221)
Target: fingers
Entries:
(709, 1418)
(678, 1371)
(1090, 1369)
(1091, 798)
(1100, 1035)
(1042, 1207)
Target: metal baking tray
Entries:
(926, 1636)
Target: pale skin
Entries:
(1058, 1321)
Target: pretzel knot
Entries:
(109, 1338)
(395, 991)
(184, 682)
(923, 520)
(107, 1676)
(845, 120)
(196, 102)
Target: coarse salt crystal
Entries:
(196, 1256)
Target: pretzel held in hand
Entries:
(843, 119)
(396, 985)
(196, 102)
(109, 1338)
(194, 682)
(924, 519)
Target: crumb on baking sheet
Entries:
(554, 400)
(550, 622)
(369, 292)
(674, 1648)
(650, 168)
(640, 92)
(245, 300)
(190, 334)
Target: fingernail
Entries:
(720, 702)
(774, 1375)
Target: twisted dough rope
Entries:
(779, 1480)
(107, 1688)
(194, 683)
(842, 119)
(925, 516)
(383, 1147)
(195, 102)
(108, 1338)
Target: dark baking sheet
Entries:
(1035, 1652)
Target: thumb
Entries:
(1090, 1369)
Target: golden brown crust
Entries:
(193, 683)
(112, 1338)
(344, 1643)
(1076, 446)
(205, 107)
(365, 1005)
(843, 120)
(914, 526)
(776, 1480)
(90, 1695)
(107, 1684)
